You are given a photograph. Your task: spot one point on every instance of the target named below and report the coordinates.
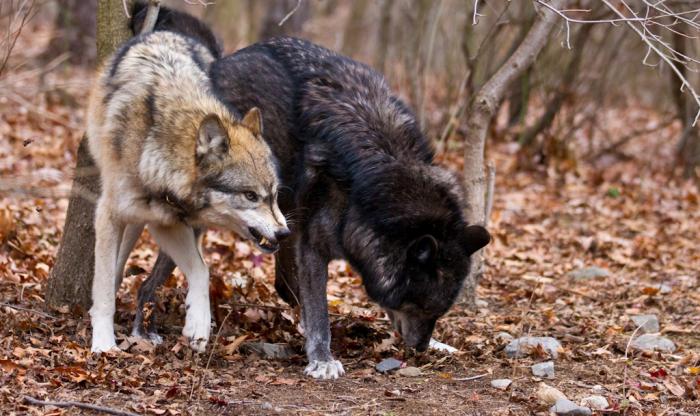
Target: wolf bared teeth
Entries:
(263, 241)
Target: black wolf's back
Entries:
(178, 22)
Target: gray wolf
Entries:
(359, 179)
(172, 156)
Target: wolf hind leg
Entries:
(108, 233)
(286, 282)
(181, 243)
(145, 324)
(130, 236)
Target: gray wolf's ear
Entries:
(253, 121)
(212, 139)
(423, 248)
(476, 238)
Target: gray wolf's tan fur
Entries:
(173, 157)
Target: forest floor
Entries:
(626, 214)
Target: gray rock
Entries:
(647, 323)
(568, 408)
(665, 289)
(388, 364)
(503, 337)
(501, 383)
(653, 342)
(409, 372)
(588, 273)
(544, 370)
(520, 347)
(595, 402)
(271, 351)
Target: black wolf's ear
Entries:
(423, 248)
(253, 121)
(212, 139)
(476, 238)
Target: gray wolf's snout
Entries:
(282, 233)
(269, 244)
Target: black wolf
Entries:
(361, 186)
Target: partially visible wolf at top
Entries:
(172, 156)
(363, 187)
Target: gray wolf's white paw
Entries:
(197, 326)
(325, 370)
(103, 342)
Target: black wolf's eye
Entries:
(251, 196)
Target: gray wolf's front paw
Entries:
(325, 370)
(198, 325)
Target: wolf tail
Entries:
(178, 22)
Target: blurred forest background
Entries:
(591, 162)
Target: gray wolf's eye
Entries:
(251, 196)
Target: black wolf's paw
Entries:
(325, 370)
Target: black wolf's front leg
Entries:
(313, 276)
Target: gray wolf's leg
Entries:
(180, 243)
(145, 326)
(131, 234)
(108, 233)
(313, 277)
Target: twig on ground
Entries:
(211, 353)
(22, 308)
(476, 377)
(624, 374)
(80, 405)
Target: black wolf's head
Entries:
(406, 235)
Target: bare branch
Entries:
(285, 18)
(149, 23)
(80, 405)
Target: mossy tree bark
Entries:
(70, 281)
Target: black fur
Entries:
(360, 185)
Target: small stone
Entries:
(569, 408)
(595, 402)
(266, 406)
(480, 303)
(646, 323)
(271, 351)
(665, 289)
(548, 394)
(409, 372)
(653, 342)
(501, 383)
(544, 370)
(588, 273)
(388, 364)
(522, 346)
(503, 337)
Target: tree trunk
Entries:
(70, 281)
(481, 111)
(353, 35)
(689, 143)
(384, 36)
(74, 32)
(276, 11)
